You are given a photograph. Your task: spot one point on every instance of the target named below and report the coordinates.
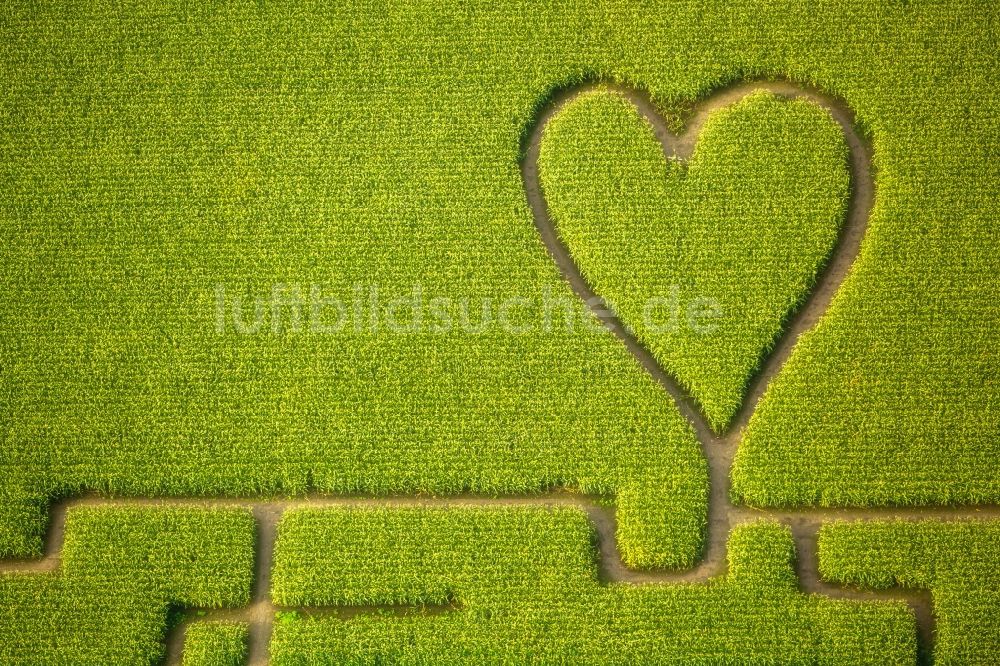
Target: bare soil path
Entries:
(719, 449)
(267, 513)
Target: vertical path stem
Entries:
(266, 517)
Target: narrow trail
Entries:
(259, 615)
(681, 146)
(719, 449)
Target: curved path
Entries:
(680, 147)
(719, 450)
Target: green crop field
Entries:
(528, 592)
(215, 644)
(122, 570)
(499, 332)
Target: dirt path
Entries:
(267, 512)
(719, 450)
(681, 146)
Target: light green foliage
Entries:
(527, 591)
(121, 570)
(215, 644)
(153, 150)
(895, 397)
(703, 260)
(959, 562)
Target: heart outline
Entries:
(831, 275)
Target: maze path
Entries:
(719, 449)
(267, 513)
